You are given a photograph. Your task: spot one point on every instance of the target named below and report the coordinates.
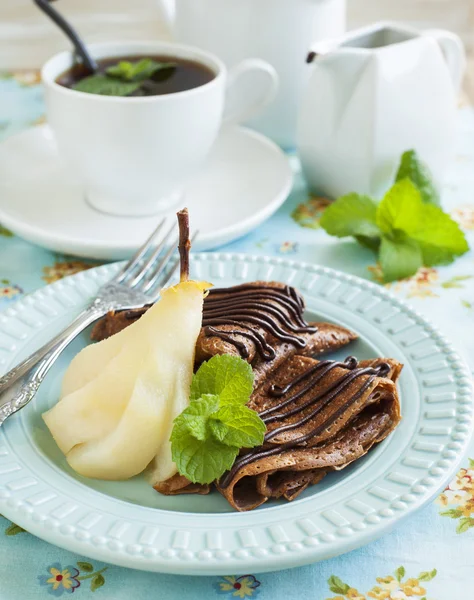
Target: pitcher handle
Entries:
(454, 53)
(239, 107)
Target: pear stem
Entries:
(184, 244)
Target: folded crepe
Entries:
(320, 417)
(262, 322)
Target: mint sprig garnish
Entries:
(208, 435)
(407, 229)
(125, 77)
(105, 86)
(138, 71)
(229, 377)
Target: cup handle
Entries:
(238, 107)
(454, 54)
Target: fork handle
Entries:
(10, 404)
(61, 341)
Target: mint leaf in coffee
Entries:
(139, 71)
(138, 76)
(105, 86)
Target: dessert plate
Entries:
(245, 180)
(129, 524)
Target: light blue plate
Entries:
(129, 524)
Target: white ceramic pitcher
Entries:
(278, 31)
(372, 95)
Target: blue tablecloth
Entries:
(429, 556)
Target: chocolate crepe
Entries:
(320, 416)
(178, 484)
(262, 322)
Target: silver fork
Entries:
(134, 286)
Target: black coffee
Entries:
(138, 76)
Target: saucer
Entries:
(246, 179)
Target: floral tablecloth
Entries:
(430, 556)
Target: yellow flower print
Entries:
(40, 120)
(412, 588)
(309, 214)
(64, 268)
(388, 588)
(27, 78)
(424, 284)
(245, 586)
(378, 593)
(464, 215)
(459, 498)
(464, 480)
(60, 580)
(420, 285)
(388, 583)
(8, 292)
(453, 498)
(287, 248)
(377, 274)
(353, 594)
(468, 508)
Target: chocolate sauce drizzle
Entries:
(318, 401)
(278, 311)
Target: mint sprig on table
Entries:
(125, 77)
(407, 228)
(208, 435)
(412, 168)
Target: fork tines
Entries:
(148, 265)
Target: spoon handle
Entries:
(61, 22)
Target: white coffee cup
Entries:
(134, 155)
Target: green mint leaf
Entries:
(337, 586)
(122, 70)
(400, 573)
(406, 231)
(440, 238)
(372, 243)
(401, 208)
(427, 575)
(14, 529)
(5, 232)
(399, 258)
(351, 215)
(97, 582)
(196, 426)
(402, 213)
(229, 377)
(105, 86)
(452, 513)
(138, 71)
(456, 282)
(209, 433)
(412, 168)
(465, 524)
(237, 425)
(201, 462)
(193, 419)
